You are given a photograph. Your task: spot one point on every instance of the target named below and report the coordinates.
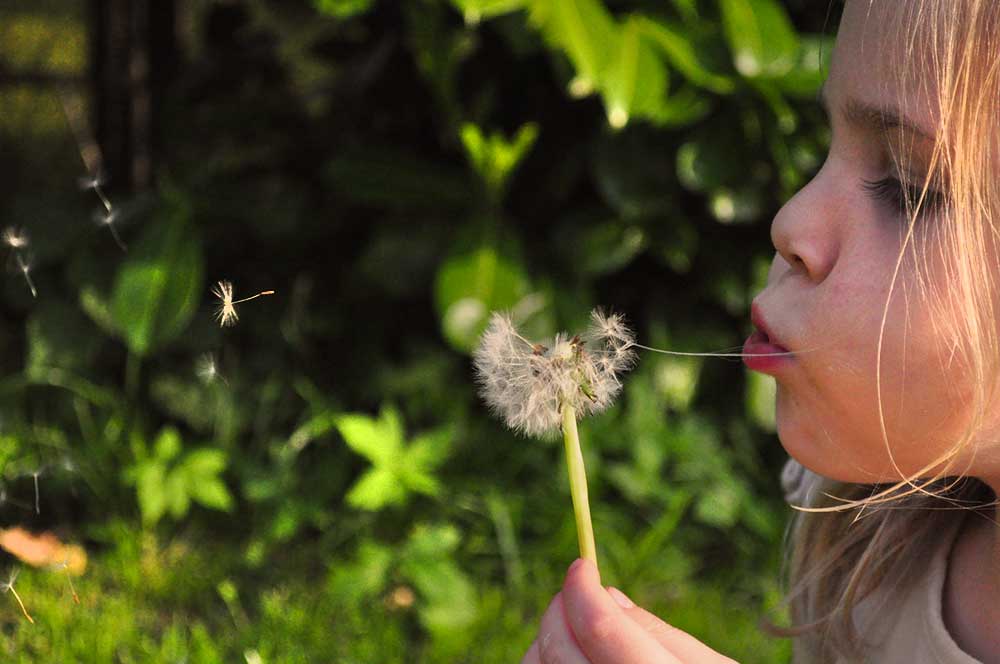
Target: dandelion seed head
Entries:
(14, 238)
(226, 312)
(526, 384)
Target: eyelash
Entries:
(891, 191)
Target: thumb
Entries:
(678, 642)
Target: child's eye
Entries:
(891, 191)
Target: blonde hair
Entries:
(874, 536)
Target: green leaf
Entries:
(449, 595)
(96, 306)
(607, 247)
(475, 11)
(380, 441)
(720, 506)
(692, 50)
(205, 462)
(635, 81)
(583, 29)
(471, 285)
(377, 488)
(429, 450)
(156, 289)
(167, 445)
(415, 479)
(811, 69)
(761, 37)
(150, 492)
(494, 157)
(175, 489)
(212, 493)
(343, 8)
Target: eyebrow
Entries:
(873, 118)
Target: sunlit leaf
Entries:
(761, 36)
(475, 11)
(694, 52)
(469, 286)
(158, 286)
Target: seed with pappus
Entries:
(527, 384)
(14, 238)
(226, 311)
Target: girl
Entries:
(888, 269)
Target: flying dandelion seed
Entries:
(24, 264)
(527, 384)
(226, 311)
(14, 238)
(9, 585)
(63, 566)
(107, 218)
(207, 370)
(34, 475)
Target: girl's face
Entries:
(837, 247)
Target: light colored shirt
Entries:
(906, 627)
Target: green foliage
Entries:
(167, 481)
(155, 289)
(494, 157)
(398, 469)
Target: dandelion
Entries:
(226, 311)
(528, 384)
(538, 389)
(9, 585)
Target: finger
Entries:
(532, 656)
(556, 644)
(605, 634)
(677, 641)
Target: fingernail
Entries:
(576, 563)
(620, 597)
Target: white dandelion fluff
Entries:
(225, 313)
(205, 368)
(527, 384)
(14, 238)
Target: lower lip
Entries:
(760, 355)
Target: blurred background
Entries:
(320, 482)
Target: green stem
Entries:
(578, 484)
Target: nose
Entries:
(804, 232)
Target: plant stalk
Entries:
(578, 484)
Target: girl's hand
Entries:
(588, 624)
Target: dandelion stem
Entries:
(578, 484)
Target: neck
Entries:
(971, 602)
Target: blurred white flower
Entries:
(526, 384)
(14, 238)
(205, 368)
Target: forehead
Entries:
(871, 43)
